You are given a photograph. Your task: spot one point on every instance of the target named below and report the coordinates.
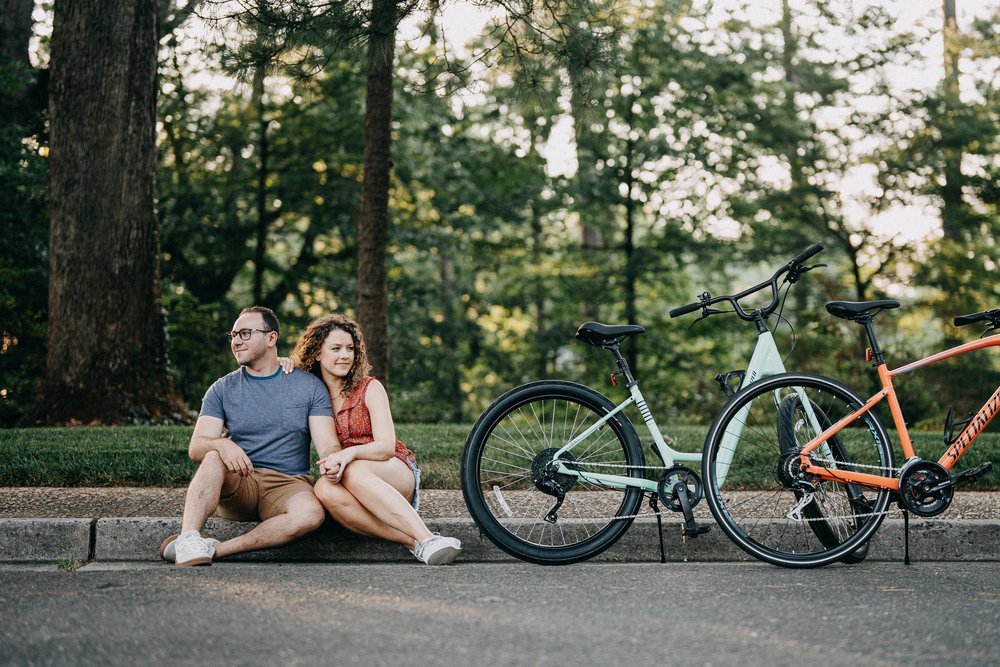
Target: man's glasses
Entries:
(245, 334)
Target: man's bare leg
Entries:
(303, 514)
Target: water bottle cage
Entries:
(725, 381)
(952, 428)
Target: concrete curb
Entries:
(137, 539)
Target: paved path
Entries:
(511, 614)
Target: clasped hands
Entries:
(332, 467)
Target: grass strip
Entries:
(157, 455)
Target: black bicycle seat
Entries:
(856, 310)
(601, 335)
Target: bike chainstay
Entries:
(859, 515)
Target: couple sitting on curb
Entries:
(252, 437)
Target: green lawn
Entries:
(157, 455)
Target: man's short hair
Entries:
(270, 319)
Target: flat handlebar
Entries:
(816, 249)
(794, 268)
(992, 315)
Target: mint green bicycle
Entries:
(553, 472)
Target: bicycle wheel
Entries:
(796, 427)
(751, 481)
(514, 495)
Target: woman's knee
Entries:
(332, 496)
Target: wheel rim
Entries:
(518, 506)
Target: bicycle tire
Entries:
(521, 428)
(752, 495)
(792, 418)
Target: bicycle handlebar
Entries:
(794, 268)
(991, 315)
(816, 249)
(684, 310)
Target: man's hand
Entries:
(234, 457)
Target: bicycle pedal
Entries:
(694, 530)
(969, 476)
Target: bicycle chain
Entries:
(823, 462)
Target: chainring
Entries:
(665, 487)
(916, 488)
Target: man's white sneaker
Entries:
(168, 548)
(437, 550)
(191, 549)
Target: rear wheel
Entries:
(752, 480)
(514, 492)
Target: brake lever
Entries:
(795, 273)
(706, 312)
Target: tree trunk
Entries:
(107, 361)
(373, 224)
(951, 191)
(263, 219)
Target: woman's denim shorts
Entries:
(416, 485)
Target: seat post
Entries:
(877, 355)
(622, 363)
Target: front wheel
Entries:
(514, 493)
(750, 470)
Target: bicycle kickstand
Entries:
(654, 505)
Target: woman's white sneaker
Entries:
(437, 550)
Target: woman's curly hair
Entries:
(308, 347)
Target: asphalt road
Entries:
(501, 614)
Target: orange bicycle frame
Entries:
(950, 457)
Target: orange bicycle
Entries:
(797, 448)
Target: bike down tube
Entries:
(764, 362)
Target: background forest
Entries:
(572, 161)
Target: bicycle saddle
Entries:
(856, 310)
(601, 335)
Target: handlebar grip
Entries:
(684, 310)
(819, 247)
(962, 320)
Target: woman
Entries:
(370, 484)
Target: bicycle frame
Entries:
(951, 455)
(764, 362)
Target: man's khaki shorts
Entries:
(262, 495)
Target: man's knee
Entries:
(212, 462)
(304, 513)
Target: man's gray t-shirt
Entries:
(269, 416)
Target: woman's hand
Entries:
(286, 364)
(332, 467)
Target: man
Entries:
(251, 442)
